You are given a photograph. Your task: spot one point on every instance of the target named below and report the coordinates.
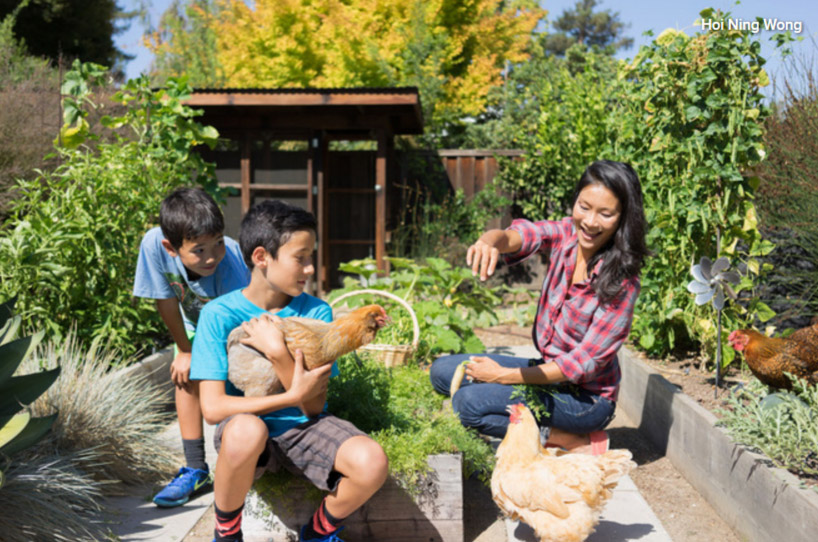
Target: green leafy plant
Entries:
(448, 301)
(18, 428)
(576, 103)
(782, 425)
(70, 246)
(400, 410)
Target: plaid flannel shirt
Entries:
(572, 328)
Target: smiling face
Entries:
(200, 255)
(289, 271)
(596, 216)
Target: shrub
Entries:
(116, 415)
(577, 103)
(29, 113)
(45, 497)
(71, 243)
(788, 192)
(692, 128)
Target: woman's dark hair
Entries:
(188, 213)
(624, 254)
(270, 224)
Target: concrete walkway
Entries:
(627, 517)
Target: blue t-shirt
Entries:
(219, 318)
(160, 276)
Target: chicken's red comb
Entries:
(515, 412)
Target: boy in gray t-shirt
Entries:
(183, 264)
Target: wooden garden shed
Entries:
(282, 143)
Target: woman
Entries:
(583, 316)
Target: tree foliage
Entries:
(453, 50)
(587, 28)
(185, 44)
(74, 29)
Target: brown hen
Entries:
(769, 358)
(559, 495)
(321, 342)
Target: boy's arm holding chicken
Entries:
(264, 335)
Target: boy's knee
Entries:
(368, 463)
(244, 438)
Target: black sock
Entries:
(195, 453)
(322, 523)
(228, 525)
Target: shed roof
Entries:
(346, 109)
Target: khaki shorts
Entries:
(307, 450)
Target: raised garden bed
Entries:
(757, 500)
(275, 511)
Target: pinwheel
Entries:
(711, 282)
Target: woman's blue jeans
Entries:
(483, 405)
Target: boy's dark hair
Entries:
(188, 213)
(270, 224)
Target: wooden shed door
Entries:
(350, 209)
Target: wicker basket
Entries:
(389, 354)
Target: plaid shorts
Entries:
(306, 450)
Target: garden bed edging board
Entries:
(759, 501)
(392, 514)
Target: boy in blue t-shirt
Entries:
(182, 264)
(290, 428)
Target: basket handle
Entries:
(393, 297)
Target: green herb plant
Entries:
(782, 425)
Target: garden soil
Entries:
(685, 515)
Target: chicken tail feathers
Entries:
(616, 464)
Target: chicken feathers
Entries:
(559, 495)
(770, 358)
(321, 342)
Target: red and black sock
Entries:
(228, 525)
(321, 524)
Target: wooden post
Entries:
(380, 199)
(322, 214)
(245, 174)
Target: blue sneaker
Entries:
(332, 537)
(186, 483)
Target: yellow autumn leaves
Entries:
(455, 50)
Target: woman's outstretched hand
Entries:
(482, 257)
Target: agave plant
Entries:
(18, 429)
(712, 281)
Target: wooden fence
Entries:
(472, 170)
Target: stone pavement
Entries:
(627, 517)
